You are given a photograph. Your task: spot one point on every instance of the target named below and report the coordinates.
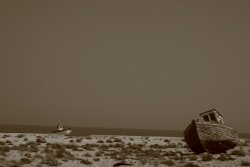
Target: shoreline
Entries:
(84, 131)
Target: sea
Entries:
(86, 131)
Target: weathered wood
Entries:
(210, 137)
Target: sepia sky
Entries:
(124, 64)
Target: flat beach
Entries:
(42, 150)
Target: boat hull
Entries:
(63, 132)
(210, 137)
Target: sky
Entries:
(124, 64)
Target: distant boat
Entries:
(210, 134)
(61, 130)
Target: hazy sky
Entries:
(124, 64)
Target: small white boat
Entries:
(61, 130)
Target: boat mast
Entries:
(59, 126)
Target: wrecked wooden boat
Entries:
(210, 134)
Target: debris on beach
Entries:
(122, 164)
